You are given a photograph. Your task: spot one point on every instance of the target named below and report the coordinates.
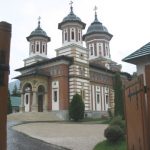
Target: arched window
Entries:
(37, 46)
(65, 35)
(32, 47)
(82, 91)
(79, 35)
(91, 47)
(100, 48)
(72, 33)
(98, 98)
(43, 47)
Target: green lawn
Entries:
(110, 146)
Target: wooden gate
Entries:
(136, 115)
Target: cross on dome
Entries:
(71, 2)
(95, 9)
(39, 18)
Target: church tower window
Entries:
(37, 46)
(65, 35)
(79, 35)
(91, 47)
(43, 47)
(72, 34)
(100, 48)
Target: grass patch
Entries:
(105, 145)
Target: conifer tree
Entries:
(76, 109)
(119, 108)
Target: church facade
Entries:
(49, 84)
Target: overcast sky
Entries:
(127, 20)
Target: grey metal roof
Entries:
(96, 27)
(40, 63)
(143, 51)
(71, 17)
(35, 72)
(38, 32)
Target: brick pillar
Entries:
(5, 36)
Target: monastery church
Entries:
(48, 84)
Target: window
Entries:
(43, 47)
(106, 99)
(100, 48)
(91, 49)
(72, 34)
(81, 71)
(82, 94)
(37, 46)
(98, 98)
(32, 47)
(65, 35)
(55, 96)
(95, 51)
(27, 100)
(79, 35)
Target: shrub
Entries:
(118, 121)
(110, 113)
(114, 133)
(76, 108)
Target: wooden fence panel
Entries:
(135, 116)
(147, 78)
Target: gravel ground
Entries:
(69, 135)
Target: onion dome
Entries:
(96, 27)
(38, 32)
(71, 17)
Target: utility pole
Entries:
(5, 36)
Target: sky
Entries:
(127, 20)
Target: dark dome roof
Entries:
(71, 17)
(38, 32)
(96, 27)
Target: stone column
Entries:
(45, 104)
(34, 107)
(22, 107)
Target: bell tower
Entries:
(38, 40)
(71, 27)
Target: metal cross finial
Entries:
(71, 2)
(39, 18)
(95, 8)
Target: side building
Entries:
(49, 84)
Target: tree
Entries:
(15, 91)
(9, 106)
(119, 108)
(76, 108)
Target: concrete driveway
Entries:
(70, 135)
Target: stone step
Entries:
(35, 116)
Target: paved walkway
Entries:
(69, 135)
(19, 141)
